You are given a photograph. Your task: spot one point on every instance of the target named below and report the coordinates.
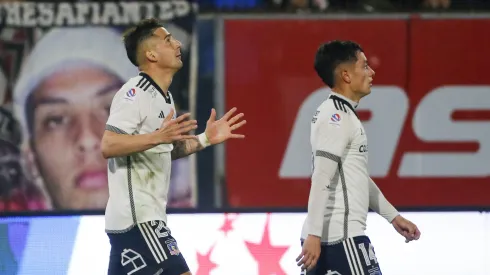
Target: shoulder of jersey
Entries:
(135, 87)
(334, 111)
(338, 105)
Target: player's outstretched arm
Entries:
(217, 131)
(116, 143)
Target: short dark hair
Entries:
(330, 55)
(134, 36)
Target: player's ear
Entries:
(151, 56)
(345, 75)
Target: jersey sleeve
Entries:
(380, 204)
(128, 110)
(329, 140)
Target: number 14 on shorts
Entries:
(369, 254)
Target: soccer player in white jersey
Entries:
(333, 235)
(142, 137)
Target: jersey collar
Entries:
(352, 103)
(155, 85)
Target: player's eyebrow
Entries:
(168, 35)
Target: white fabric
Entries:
(141, 194)
(341, 189)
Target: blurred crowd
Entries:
(344, 5)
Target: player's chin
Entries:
(179, 64)
(366, 91)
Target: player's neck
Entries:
(347, 94)
(162, 78)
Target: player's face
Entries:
(362, 76)
(71, 109)
(167, 49)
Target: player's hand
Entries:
(406, 228)
(220, 130)
(310, 253)
(175, 129)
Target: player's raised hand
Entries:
(220, 130)
(310, 253)
(406, 228)
(175, 129)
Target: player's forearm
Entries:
(380, 204)
(183, 148)
(323, 174)
(120, 145)
(316, 208)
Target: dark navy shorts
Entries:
(354, 256)
(146, 249)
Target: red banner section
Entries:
(427, 118)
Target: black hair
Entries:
(330, 55)
(134, 36)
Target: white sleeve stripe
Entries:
(320, 153)
(115, 129)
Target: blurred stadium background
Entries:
(238, 208)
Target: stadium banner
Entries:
(245, 244)
(427, 118)
(61, 64)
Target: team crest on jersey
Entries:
(131, 94)
(172, 247)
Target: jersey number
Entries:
(158, 230)
(368, 255)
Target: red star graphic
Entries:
(266, 255)
(205, 265)
(228, 224)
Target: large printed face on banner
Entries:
(58, 83)
(69, 111)
(427, 117)
(62, 98)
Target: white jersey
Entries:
(342, 190)
(139, 183)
